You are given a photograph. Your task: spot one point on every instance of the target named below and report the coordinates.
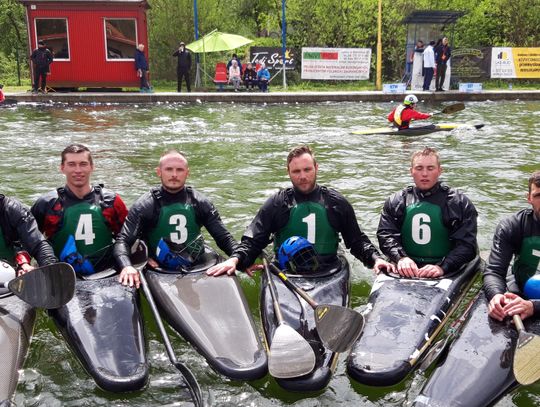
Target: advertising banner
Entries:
(336, 63)
(471, 64)
(271, 56)
(518, 63)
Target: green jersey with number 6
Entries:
(423, 234)
(310, 220)
(177, 222)
(527, 263)
(86, 223)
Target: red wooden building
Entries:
(93, 41)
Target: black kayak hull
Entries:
(416, 131)
(103, 325)
(330, 287)
(404, 317)
(212, 314)
(16, 326)
(477, 370)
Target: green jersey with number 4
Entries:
(177, 222)
(423, 234)
(86, 223)
(310, 220)
(527, 263)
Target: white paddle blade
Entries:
(290, 354)
(527, 358)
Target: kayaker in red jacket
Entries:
(402, 115)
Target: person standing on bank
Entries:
(429, 229)
(517, 237)
(171, 212)
(442, 55)
(306, 209)
(429, 65)
(42, 58)
(141, 66)
(183, 67)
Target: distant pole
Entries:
(378, 84)
(196, 23)
(283, 41)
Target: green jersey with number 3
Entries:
(423, 234)
(527, 263)
(86, 223)
(177, 222)
(310, 220)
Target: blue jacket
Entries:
(263, 73)
(140, 61)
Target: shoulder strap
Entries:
(409, 197)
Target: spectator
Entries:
(183, 67)
(263, 77)
(443, 52)
(42, 59)
(238, 61)
(235, 76)
(250, 77)
(141, 66)
(429, 65)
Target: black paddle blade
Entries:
(456, 107)
(338, 327)
(48, 287)
(192, 384)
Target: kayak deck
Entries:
(480, 358)
(416, 131)
(103, 326)
(16, 326)
(331, 287)
(213, 315)
(404, 317)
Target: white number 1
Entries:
(310, 221)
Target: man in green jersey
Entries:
(80, 220)
(169, 216)
(306, 209)
(428, 229)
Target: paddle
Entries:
(290, 353)
(190, 380)
(527, 355)
(49, 287)
(456, 107)
(338, 327)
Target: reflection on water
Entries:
(237, 157)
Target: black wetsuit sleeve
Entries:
(24, 229)
(460, 216)
(343, 219)
(272, 216)
(208, 216)
(140, 214)
(389, 229)
(506, 242)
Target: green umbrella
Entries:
(217, 41)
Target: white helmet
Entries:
(6, 274)
(410, 100)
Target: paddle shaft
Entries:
(293, 287)
(273, 293)
(191, 381)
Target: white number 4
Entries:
(85, 230)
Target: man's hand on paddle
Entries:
(509, 304)
(129, 276)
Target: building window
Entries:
(121, 38)
(54, 32)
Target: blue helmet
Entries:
(532, 288)
(174, 256)
(298, 255)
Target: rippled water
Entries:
(237, 157)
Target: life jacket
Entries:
(309, 220)
(397, 116)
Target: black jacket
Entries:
(144, 215)
(274, 216)
(42, 57)
(184, 60)
(507, 242)
(459, 217)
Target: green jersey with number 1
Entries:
(527, 263)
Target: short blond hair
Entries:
(426, 152)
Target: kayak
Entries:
(103, 325)
(8, 103)
(327, 287)
(402, 319)
(213, 315)
(16, 326)
(416, 131)
(477, 370)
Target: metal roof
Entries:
(442, 17)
